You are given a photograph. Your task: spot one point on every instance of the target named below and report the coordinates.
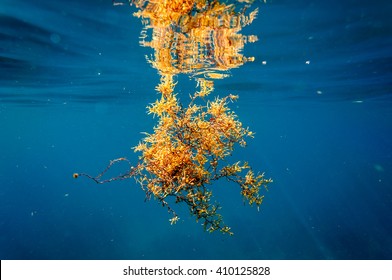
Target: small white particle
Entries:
(55, 38)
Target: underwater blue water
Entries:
(74, 86)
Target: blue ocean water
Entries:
(74, 87)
